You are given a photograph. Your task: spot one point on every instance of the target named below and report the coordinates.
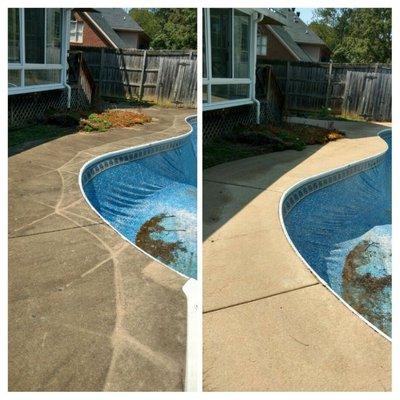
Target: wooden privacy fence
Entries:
(309, 86)
(368, 95)
(267, 87)
(160, 76)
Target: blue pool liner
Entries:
(326, 218)
(129, 188)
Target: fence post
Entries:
(269, 83)
(288, 75)
(376, 67)
(101, 71)
(328, 89)
(159, 83)
(141, 88)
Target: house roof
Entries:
(118, 19)
(298, 30)
(111, 20)
(294, 33)
(285, 37)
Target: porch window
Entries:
(35, 48)
(34, 35)
(261, 45)
(242, 44)
(221, 42)
(76, 32)
(229, 92)
(227, 57)
(13, 35)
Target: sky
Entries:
(306, 14)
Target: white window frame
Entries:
(262, 46)
(77, 23)
(209, 81)
(22, 66)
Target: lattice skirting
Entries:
(219, 122)
(25, 109)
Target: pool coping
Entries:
(191, 286)
(312, 178)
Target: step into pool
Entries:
(149, 195)
(340, 224)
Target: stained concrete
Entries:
(269, 324)
(87, 311)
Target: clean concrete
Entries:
(87, 311)
(269, 324)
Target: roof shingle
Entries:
(118, 19)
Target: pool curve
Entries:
(341, 221)
(148, 194)
(188, 175)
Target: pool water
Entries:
(152, 202)
(343, 231)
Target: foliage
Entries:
(255, 140)
(95, 122)
(56, 124)
(355, 35)
(117, 119)
(168, 28)
(325, 113)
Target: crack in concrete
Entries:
(260, 298)
(120, 337)
(261, 189)
(55, 230)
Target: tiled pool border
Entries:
(299, 193)
(115, 158)
(307, 186)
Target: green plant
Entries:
(94, 122)
(325, 112)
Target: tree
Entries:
(355, 35)
(147, 19)
(168, 28)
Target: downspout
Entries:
(258, 19)
(68, 95)
(66, 35)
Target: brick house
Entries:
(106, 27)
(293, 41)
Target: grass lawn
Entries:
(251, 141)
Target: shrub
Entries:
(118, 119)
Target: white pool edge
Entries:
(322, 281)
(190, 288)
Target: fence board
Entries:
(309, 86)
(368, 95)
(162, 76)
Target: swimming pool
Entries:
(149, 195)
(340, 224)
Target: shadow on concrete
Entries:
(256, 174)
(13, 150)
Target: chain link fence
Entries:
(216, 123)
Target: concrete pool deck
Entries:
(268, 324)
(87, 311)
